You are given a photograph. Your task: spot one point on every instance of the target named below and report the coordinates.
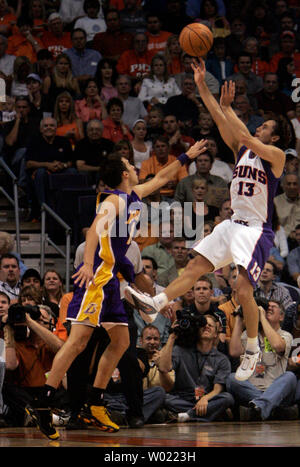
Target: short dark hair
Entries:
(206, 279)
(114, 101)
(90, 3)
(149, 326)
(154, 263)
(244, 54)
(9, 256)
(111, 172)
(78, 30)
(6, 296)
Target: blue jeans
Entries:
(280, 392)
(216, 406)
(153, 400)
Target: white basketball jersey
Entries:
(253, 188)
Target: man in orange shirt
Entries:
(136, 62)
(157, 39)
(55, 39)
(160, 159)
(23, 43)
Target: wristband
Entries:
(183, 158)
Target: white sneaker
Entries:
(248, 365)
(142, 301)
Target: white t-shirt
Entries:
(139, 156)
(91, 26)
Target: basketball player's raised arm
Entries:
(213, 106)
(268, 152)
(109, 209)
(168, 173)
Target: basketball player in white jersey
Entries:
(247, 237)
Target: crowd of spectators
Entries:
(87, 78)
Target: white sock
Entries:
(252, 344)
(161, 300)
(183, 417)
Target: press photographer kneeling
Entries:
(30, 347)
(200, 369)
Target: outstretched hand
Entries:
(227, 94)
(199, 70)
(198, 148)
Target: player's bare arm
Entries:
(110, 208)
(213, 106)
(166, 174)
(268, 152)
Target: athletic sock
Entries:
(95, 396)
(252, 344)
(161, 300)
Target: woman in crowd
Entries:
(105, 77)
(286, 75)
(22, 68)
(62, 79)
(91, 106)
(68, 124)
(159, 86)
(37, 12)
(141, 148)
(52, 289)
(124, 147)
(114, 128)
(172, 55)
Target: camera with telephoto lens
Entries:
(260, 301)
(17, 319)
(187, 327)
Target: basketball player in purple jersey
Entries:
(247, 237)
(101, 303)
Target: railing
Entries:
(13, 201)
(44, 238)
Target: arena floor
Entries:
(175, 437)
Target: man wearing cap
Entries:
(56, 40)
(287, 49)
(291, 161)
(31, 278)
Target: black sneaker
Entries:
(43, 420)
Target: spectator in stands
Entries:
(251, 120)
(221, 166)
(199, 390)
(8, 19)
(136, 62)
(6, 61)
(93, 22)
(7, 245)
(287, 49)
(61, 79)
(235, 40)
(270, 99)
(24, 43)
(288, 203)
(23, 379)
(55, 39)
(178, 141)
(91, 151)
(161, 158)
(185, 106)
(68, 124)
(53, 288)
(174, 18)
(244, 64)
(217, 186)
(43, 67)
(84, 60)
(31, 278)
(180, 254)
(114, 41)
(132, 17)
(158, 86)
(150, 341)
(157, 39)
(124, 147)
(217, 63)
(46, 154)
(133, 107)
(150, 268)
(286, 75)
(154, 123)
(293, 259)
(269, 289)
(70, 10)
(92, 105)
(10, 275)
(172, 54)
(225, 211)
(4, 305)
(271, 386)
(17, 137)
(22, 68)
(193, 8)
(232, 304)
(39, 102)
(161, 251)
(114, 128)
(141, 148)
(259, 66)
(106, 76)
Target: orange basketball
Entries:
(196, 39)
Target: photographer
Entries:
(271, 386)
(30, 346)
(200, 370)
